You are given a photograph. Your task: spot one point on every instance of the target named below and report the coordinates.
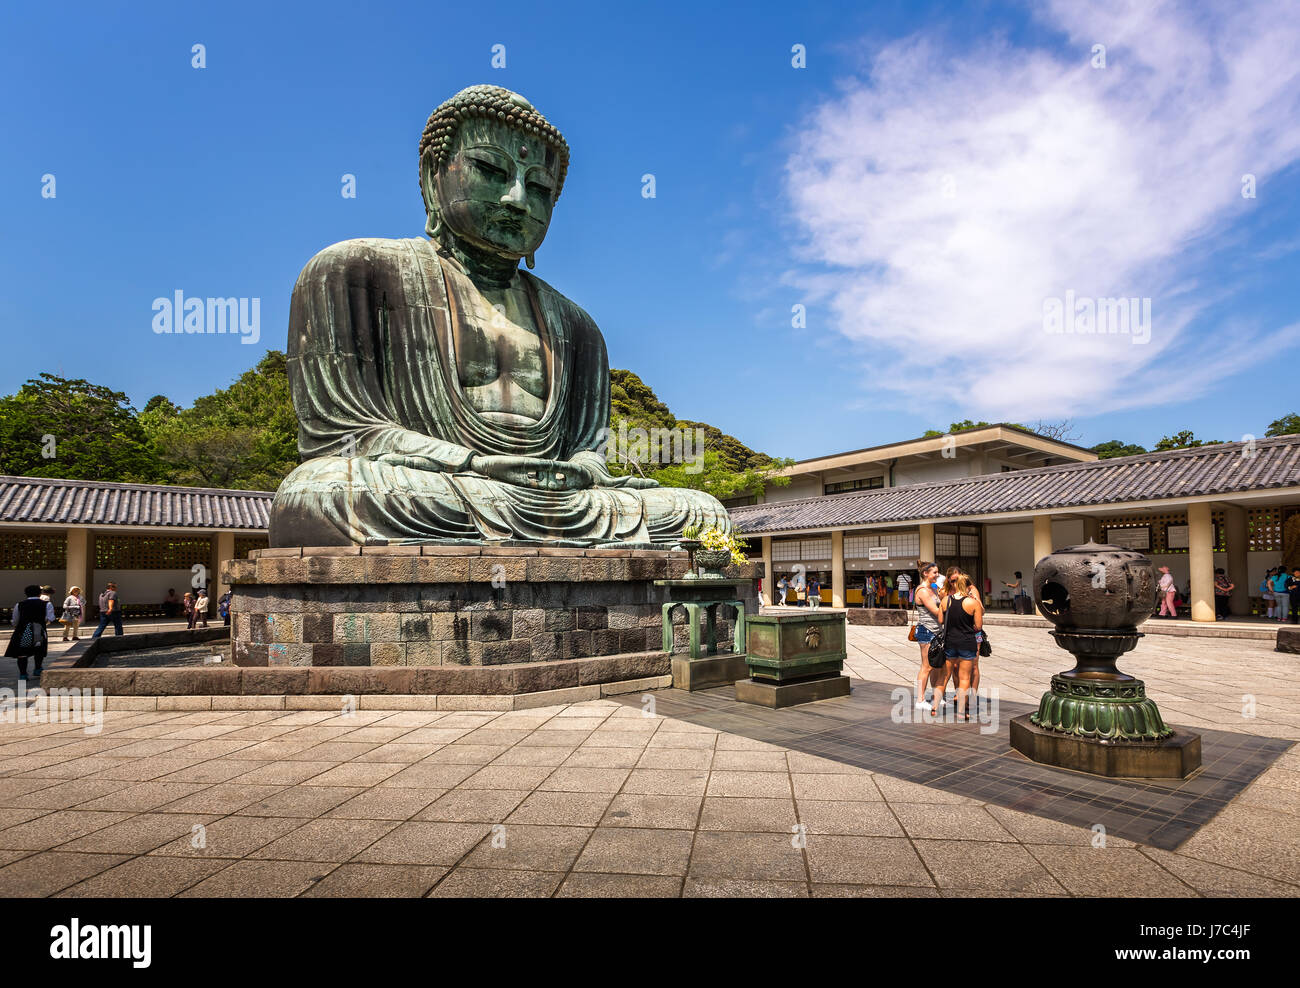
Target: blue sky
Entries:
(931, 177)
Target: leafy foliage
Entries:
(1115, 447)
(61, 427)
(1287, 425)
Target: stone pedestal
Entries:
(1173, 757)
(794, 658)
(452, 605)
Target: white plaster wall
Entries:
(142, 586)
(12, 582)
(1010, 548)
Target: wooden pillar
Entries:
(769, 588)
(1234, 521)
(1200, 558)
(927, 543)
(837, 568)
(1042, 537)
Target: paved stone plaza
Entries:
(598, 799)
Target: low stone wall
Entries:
(105, 644)
(1288, 640)
(443, 605)
(500, 680)
(878, 616)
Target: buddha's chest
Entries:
(500, 360)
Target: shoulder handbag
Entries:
(911, 633)
(985, 647)
(935, 655)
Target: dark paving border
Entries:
(957, 758)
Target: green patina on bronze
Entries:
(784, 648)
(442, 393)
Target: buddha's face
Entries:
(497, 188)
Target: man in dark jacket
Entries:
(30, 638)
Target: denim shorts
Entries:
(923, 634)
(959, 653)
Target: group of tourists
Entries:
(878, 589)
(807, 591)
(1280, 591)
(948, 608)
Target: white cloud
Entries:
(1105, 181)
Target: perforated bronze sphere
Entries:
(1104, 587)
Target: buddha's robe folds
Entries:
(372, 371)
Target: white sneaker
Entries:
(922, 705)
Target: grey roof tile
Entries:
(1225, 468)
(48, 501)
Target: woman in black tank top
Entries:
(959, 643)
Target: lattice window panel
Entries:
(800, 550)
(785, 550)
(1160, 522)
(40, 551)
(902, 545)
(856, 546)
(150, 552)
(970, 545)
(244, 546)
(945, 544)
(1264, 529)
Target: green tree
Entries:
(1184, 440)
(1116, 447)
(244, 437)
(1287, 425)
(61, 427)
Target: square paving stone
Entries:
(52, 871)
(1217, 880)
(260, 879)
(1030, 829)
(984, 865)
(834, 860)
(739, 888)
(405, 754)
(666, 782)
(564, 739)
(376, 881)
(585, 780)
(140, 834)
(357, 774)
(699, 759)
(942, 821)
(284, 773)
(423, 775)
(750, 761)
(420, 843)
(143, 797)
(677, 739)
(831, 786)
(490, 883)
(473, 806)
(529, 847)
(57, 828)
(1109, 871)
(466, 754)
(579, 809)
(585, 757)
(520, 755)
(640, 810)
(226, 797)
(584, 885)
(520, 777)
(62, 795)
(633, 851)
(145, 877)
(873, 892)
(382, 803)
(772, 785)
(857, 819)
(309, 801)
(747, 856)
(231, 837)
(748, 813)
(329, 839)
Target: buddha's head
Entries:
(491, 169)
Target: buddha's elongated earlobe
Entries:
(530, 261)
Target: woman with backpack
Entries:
(30, 640)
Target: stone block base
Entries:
(1176, 757)
(777, 695)
(708, 672)
(454, 606)
(1288, 640)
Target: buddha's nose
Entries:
(516, 196)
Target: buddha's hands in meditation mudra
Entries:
(440, 389)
